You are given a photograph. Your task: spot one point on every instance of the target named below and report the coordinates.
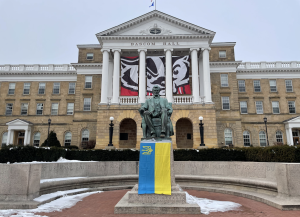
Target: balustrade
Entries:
(127, 100)
(183, 99)
(50, 67)
(261, 65)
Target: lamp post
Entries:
(201, 131)
(49, 123)
(111, 129)
(265, 120)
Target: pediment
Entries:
(293, 120)
(18, 122)
(155, 19)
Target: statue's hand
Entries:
(169, 112)
(147, 113)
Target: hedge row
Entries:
(257, 154)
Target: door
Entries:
(20, 141)
(296, 140)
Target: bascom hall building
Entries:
(112, 79)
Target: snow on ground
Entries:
(59, 179)
(60, 160)
(45, 197)
(54, 206)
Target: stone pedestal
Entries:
(134, 203)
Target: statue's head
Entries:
(156, 90)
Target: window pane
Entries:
(85, 135)
(68, 138)
(24, 108)
(288, 85)
(259, 107)
(222, 54)
(273, 87)
(275, 106)
(56, 87)
(242, 87)
(256, 84)
(9, 107)
(54, 109)
(39, 108)
(11, 88)
(71, 88)
(36, 139)
(87, 104)
(4, 139)
(26, 88)
(70, 108)
(89, 56)
(262, 139)
(88, 81)
(225, 103)
(243, 106)
(246, 136)
(292, 108)
(279, 137)
(42, 87)
(228, 136)
(224, 80)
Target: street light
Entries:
(265, 120)
(49, 123)
(111, 129)
(201, 131)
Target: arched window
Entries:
(4, 139)
(262, 138)
(246, 136)
(228, 136)
(36, 139)
(85, 136)
(279, 137)
(68, 138)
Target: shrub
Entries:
(88, 145)
(71, 147)
(52, 141)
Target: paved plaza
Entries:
(102, 205)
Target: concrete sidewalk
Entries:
(102, 205)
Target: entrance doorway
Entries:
(128, 133)
(20, 138)
(184, 133)
(296, 137)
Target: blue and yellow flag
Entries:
(155, 168)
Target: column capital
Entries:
(205, 48)
(139, 50)
(105, 49)
(118, 50)
(168, 49)
(194, 48)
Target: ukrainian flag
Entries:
(155, 168)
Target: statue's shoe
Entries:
(162, 135)
(153, 135)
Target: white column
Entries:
(8, 137)
(104, 83)
(206, 75)
(142, 76)
(169, 66)
(201, 75)
(289, 136)
(116, 77)
(195, 73)
(26, 137)
(110, 78)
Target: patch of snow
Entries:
(60, 160)
(54, 206)
(59, 179)
(45, 197)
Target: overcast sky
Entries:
(47, 31)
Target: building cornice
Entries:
(86, 65)
(156, 37)
(224, 67)
(223, 44)
(155, 14)
(89, 46)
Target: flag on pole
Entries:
(152, 3)
(155, 168)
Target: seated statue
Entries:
(156, 113)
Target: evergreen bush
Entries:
(52, 141)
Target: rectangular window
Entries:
(275, 107)
(224, 80)
(71, 88)
(243, 106)
(70, 108)
(256, 84)
(54, 109)
(56, 87)
(189, 136)
(11, 88)
(225, 103)
(9, 108)
(88, 81)
(89, 56)
(39, 108)
(242, 86)
(222, 54)
(24, 108)
(292, 108)
(87, 104)
(288, 85)
(273, 87)
(42, 87)
(26, 89)
(259, 107)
